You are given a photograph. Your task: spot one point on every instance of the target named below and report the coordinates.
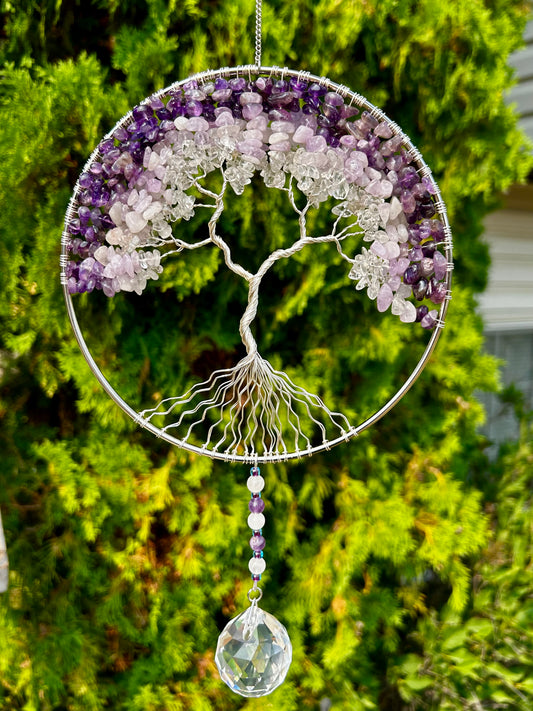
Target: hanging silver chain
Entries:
(258, 23)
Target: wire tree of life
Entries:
(182, 153)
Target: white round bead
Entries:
(255, 484)
(256, 521)
(257, 566)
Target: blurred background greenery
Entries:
(400, 563)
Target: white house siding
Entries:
(521, 95)
(507, 304)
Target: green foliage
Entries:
(482, 658)
(402, 584)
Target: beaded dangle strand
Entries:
(254, 651)
(256, 521)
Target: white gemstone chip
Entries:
(253, 653)
(256, 521)
(255, 484)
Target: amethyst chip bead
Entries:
(440, 265)
(429, 321)
(120, 166)
(420, 288)
(412, 274)
(438, 293)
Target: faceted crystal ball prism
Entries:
(254, 653)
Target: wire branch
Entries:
(216, 238)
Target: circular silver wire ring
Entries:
(253, 457)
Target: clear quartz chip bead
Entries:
(253, 653)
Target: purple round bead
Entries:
(257, 543)
(256, 504)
